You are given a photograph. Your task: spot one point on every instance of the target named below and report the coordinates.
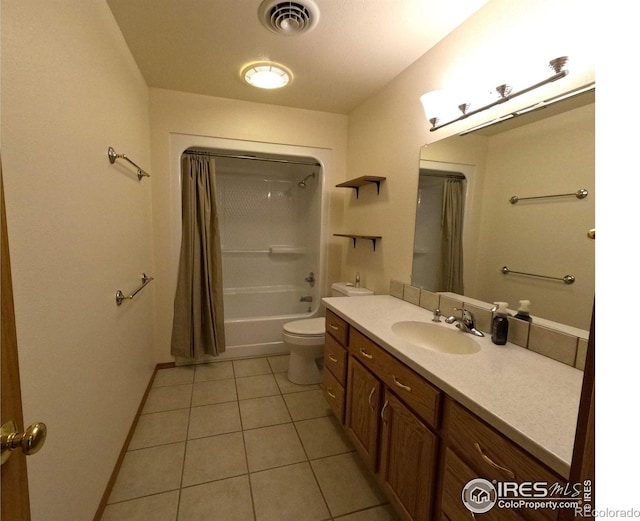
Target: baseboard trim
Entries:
(127, 441)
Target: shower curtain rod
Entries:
(435, 173)
(253, 158)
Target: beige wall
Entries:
(386, 132)
(79, 229)
(204, 117)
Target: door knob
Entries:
(30, 441)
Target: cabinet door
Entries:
(455, 477)
(363, 405)
(408, 458)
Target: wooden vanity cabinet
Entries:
(390, 413)
(477, 450)
(335, 363)
(423, 446)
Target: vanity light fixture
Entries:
(266, 75)
(505, 93)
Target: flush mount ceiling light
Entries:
(288, 18)
(266, 75)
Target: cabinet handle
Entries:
(371, 396)
(365, 354)
(489, 461)
(384, 407)
(400, 384)
(330, 393)
(335, 328)
(332, 358)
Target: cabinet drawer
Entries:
(493, 456)
(337, 328)
(335, 359)
(334, 394)
(408, 385)
(455, 477)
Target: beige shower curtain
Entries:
(452, 217)
(198, 318)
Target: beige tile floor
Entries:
(236, 441)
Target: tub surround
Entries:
(531, 399)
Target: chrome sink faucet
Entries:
(466, 322)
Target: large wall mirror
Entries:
(468, 228)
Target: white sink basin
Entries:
(436, 338)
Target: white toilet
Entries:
(305, 339)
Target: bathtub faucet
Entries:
(308, 298)
(311, 279)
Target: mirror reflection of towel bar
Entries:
(580, 194)
(121, 296)
(567, 279)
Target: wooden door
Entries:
(14, 487)
(408, 456)
(363, 404)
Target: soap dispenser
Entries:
(500, 324)
(523, 311)
(357, 284)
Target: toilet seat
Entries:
(308, 326)
(306, 332)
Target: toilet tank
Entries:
(347, 289)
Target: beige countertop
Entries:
(528, 397)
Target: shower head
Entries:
(303, 184)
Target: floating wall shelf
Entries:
(372, 238)
(362, 181)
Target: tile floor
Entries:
(236, 441)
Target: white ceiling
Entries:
(358, 46)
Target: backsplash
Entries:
(562, 343)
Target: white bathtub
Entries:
(259, 331)
(267, 301)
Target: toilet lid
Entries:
(309, 326)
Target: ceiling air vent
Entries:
(288, 18)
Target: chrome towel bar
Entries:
(567, 279)
(580, 194)
(121, 296)
(112, 159)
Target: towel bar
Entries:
(567, 279)
(112, 159)
(121, 296)
(580, 194)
